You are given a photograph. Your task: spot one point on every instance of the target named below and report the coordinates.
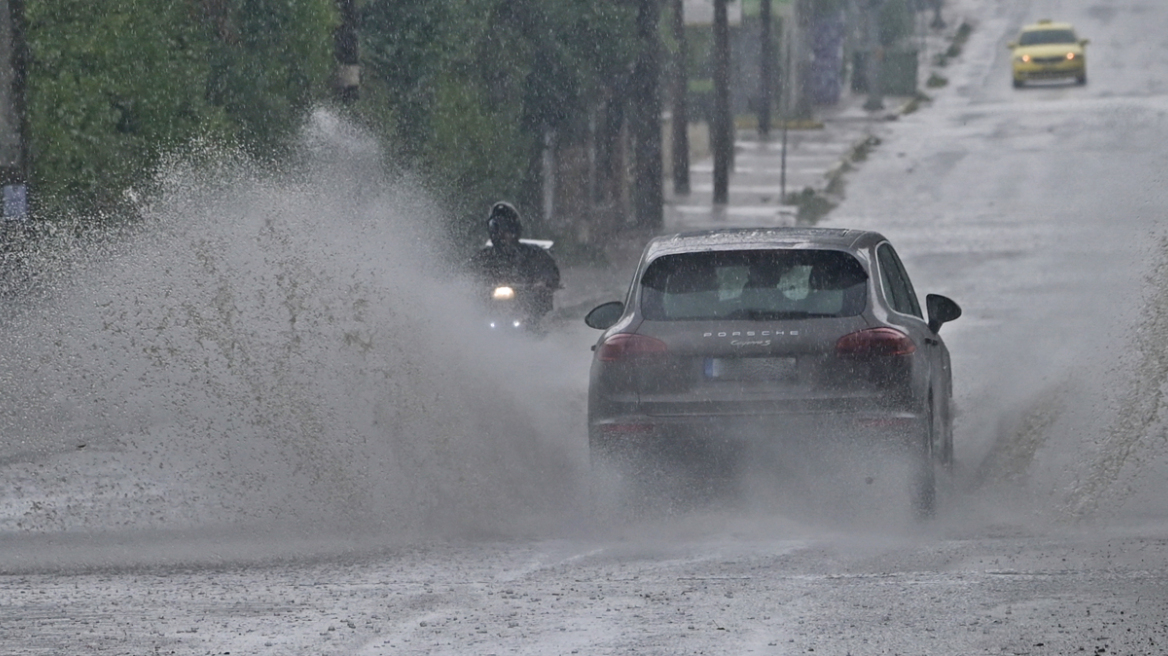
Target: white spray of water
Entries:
(275, 348)
(1129, 463)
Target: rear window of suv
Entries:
(771, 284)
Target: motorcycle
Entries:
(513, 307)
(518, 307)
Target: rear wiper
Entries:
(772, 315)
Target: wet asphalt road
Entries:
(1039, 210)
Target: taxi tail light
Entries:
(1070, 55)
(874, 342)
(625, 346)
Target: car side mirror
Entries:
(1084, 42)
(1011, 45)
(605, 316)
(941, 310)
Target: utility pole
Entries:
(13, 144)
(645, 119)
(680, 146)
(800, 102)
(875, 60)
(347, 82)
(721, 132)
(784, 115)
(765, 69)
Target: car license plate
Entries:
(751, 369)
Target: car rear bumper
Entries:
(682, 434)
(1048, 72)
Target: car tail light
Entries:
(1070, 55)
(874, 342)
(623, 346)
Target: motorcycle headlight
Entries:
(503, 293)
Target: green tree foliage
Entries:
(270, 60)
(464, 92)
(112, 85)
(471, 87)
(109, 85)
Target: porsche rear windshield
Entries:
(753, 285)
(1041, 37)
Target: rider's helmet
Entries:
(503, 220)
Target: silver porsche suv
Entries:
(729, 338)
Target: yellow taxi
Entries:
(1048, 50)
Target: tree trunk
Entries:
(765, 69)
(680, 148)
(347, 79)
(800, 101)
(645, 123)
(721, 132)
(13, 128)
(610, 171)
(874, 63)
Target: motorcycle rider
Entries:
(508, 261)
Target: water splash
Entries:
(276, 347)
(1129, 458)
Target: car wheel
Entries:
(945, 431)
(947, 453)
(1017, 83)
(924, 484)
(1081, 80)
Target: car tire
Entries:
(1081, 80)
(1017, 83)
(945, 428)
(924, 475)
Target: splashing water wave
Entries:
(272, 348)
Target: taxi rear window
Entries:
(765, 285)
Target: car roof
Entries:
(761, 238)
(1047, 25)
